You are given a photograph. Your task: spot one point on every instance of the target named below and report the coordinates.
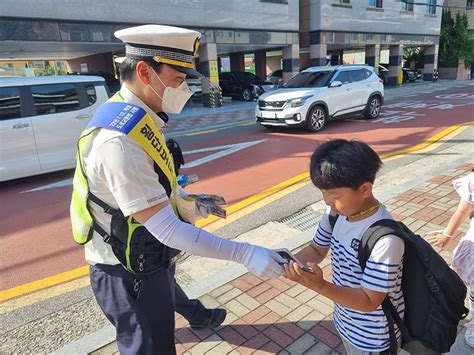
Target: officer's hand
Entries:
(263, 262)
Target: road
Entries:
(236, 162)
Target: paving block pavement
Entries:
(270, 316)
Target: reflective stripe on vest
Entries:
(138, 125)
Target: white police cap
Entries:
(170, 45)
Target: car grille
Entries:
(271, 105)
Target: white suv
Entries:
(320, 94)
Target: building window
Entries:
(9, 66)
(38, 64)
(376, 3)
(408, 5)
(55, 98)
(471, 34)
(431, 7)
(345, 2)
(470, 4)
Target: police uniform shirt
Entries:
(121, 174)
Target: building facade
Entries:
(290, 34)
(330, 27)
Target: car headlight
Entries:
(298, 102)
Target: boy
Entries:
(345, 171)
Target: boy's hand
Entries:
(313, 279)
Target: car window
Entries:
(55, 98)
(343, 77)
(91, 94)
(226, 76)
(367, 73)
(357, 75)
(310, 79)
(246, 77)
(10, 106)
(278, 72)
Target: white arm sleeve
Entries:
(169, 230)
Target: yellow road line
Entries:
(43, 294)
(200, 132)
(240, 209)
(250, 201)
(429, 144)
(248, 123)
(43, 283)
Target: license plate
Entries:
(268, 114)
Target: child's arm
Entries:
(312, 253)
(378, 279)
(462, 212)
(317, 250)
(360, 299)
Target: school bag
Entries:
(434, 294)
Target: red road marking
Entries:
(36, 238)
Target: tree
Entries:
(416, 55)
(454, 42)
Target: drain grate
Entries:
(302, 220)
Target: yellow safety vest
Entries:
(139, 126)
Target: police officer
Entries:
(127, 208)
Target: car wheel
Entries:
(247, 95)
(373, 108)
(316, 119)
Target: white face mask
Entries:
(173, 99)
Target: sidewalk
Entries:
(279, 316)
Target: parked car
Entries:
(409, 75)
(320, 94)
(243, 85)
(41, 119)
(275, 77)
(383, 73)
(195, 85)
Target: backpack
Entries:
(434, 294)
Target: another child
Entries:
(463, 255)
(345, 172)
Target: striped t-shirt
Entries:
(367, 331)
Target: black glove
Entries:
(177, 154)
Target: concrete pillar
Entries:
(291, 61)
(395, 64)
(211, 95)
(431, 62)
(372, 56)
(237, 62)
(261, 64)
(317, 54)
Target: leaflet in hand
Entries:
(211, 204)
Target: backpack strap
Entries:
(373, 234)
(333, 219)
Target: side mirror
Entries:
(335, 84)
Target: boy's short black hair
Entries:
(128, 68)
(342, 163)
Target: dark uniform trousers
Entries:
(143, 319)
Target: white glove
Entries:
(169, 230)
(260, 261)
